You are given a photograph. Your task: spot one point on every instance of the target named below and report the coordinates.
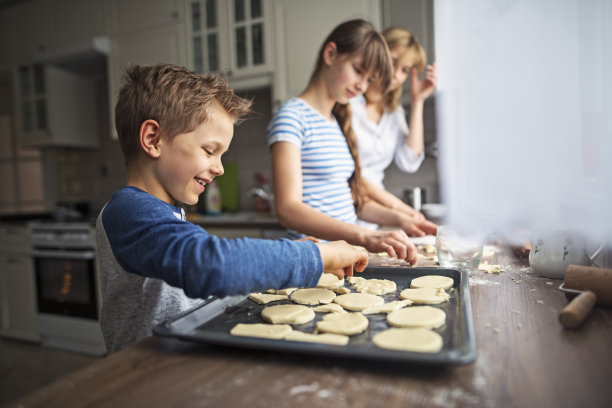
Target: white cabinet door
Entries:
(130, 16)
(32, 29)
(301, 27)
(165, 44)
(75, 21)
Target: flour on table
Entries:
(417, 316)
(326, 338)
(358, 301)
(432, 281)
(409, 339)
(291, 314)
(269, 331)
(343, 323)
(312, 296)
(263, 298)
(387, 307)
(425, 295)
(485, 267)
(329, 308)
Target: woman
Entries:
(379, 121)
(317, 182)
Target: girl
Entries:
(317, 182)
(380, 122)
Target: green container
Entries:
(228, 185)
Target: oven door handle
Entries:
(38, 253)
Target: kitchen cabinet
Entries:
(74, 21)
(17, 285)
(233, 38)
(54, 107)
(300, 28)
(131, 16)
(165, 44)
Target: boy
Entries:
(173, 128)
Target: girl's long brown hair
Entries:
(356, 37)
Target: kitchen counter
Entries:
(525, 359)
(235, 220)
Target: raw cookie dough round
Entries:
(387, 307)
(327, 338)
(328, 281)
(425, 295)
(330, 308)
(414, 339)
(291, 314)
(374, 286)
(432, 281)
(269, 331)
(417, 316)
(312, 296)
(343, 323)
(358, 301)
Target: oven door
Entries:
(66, 282)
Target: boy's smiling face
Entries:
(189, 161)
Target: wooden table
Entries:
(525, 359)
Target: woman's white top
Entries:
(383, 142)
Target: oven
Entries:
(67, 286)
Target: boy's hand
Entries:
(339, 257)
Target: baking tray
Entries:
(211, 323)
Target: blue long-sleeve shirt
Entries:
(154, 265)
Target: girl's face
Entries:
(347, 78)
(190, 161)
(403, 61)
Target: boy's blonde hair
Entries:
(176, 98)
(399, 37)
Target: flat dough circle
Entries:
(417, 316)
(291, 314)
(269, 331)
(415, 339)
(327, 280)
(432, 281)
(330, 308)
(327, 338)
(374, 286)
(343, 323)
(423, 296)
(358, 301)
(312, 296)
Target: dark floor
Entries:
(25, 367)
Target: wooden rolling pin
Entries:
(587, 286)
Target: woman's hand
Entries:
(421, 90)
(395, 243)
(418, 227)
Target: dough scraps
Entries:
(373, 286)
(485, 267)
(327, 338)
(291, 314)
(285, 291)
(404, 339)
(432, 281)
(269, 331)
(417, 316)
(358, 301)
(328, 281)
(387, 307)
(263, 298)
(312, 296)
(343, 323)
(340, 291)
(425, 295)
(330, 308)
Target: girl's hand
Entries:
(418, 227)
(395, 243)
(421, 90)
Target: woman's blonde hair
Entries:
(352, 38)
(399, 37)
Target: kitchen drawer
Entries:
(14, 239)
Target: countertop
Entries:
(235, 220)
(525, 359)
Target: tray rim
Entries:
(464, 354)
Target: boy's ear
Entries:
(330, 52)
(150, 138)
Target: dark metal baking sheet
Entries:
(212, 321)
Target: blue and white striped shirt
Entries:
(327, 163)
